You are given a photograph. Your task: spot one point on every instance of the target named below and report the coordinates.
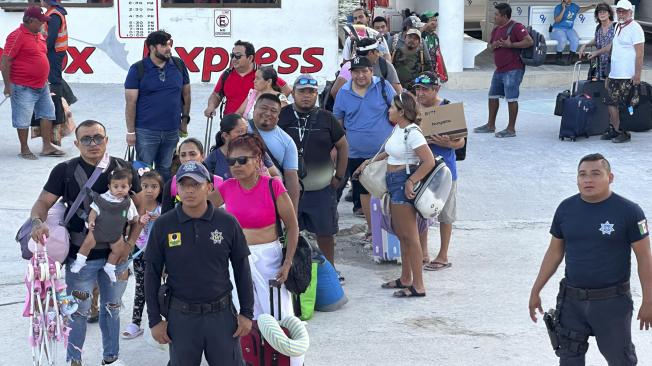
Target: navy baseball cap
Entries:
(194, 170)
(360, 63)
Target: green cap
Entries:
(430, 14)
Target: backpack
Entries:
(534, 55)
(178, 62)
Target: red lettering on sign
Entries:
(80, 60)
(309, 57)
(189, 57)
(286, 57)
(209, 67)
(266, 56)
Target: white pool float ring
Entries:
(293, 346)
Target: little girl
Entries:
(151, 184)
(110, 211)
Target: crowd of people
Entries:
(273, 163)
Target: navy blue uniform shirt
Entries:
(159, 102)
(196, 255)
(598, 238)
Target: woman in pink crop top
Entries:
(247, 196)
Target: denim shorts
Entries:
(26, 100)
(396, 186)
(506, 85)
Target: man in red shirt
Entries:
(234, 84)
(25, 70)
(509, 68)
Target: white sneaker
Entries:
(117, 362)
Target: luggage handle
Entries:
(575, 84)
(208, 135)
(273, 283)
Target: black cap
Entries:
(360, 63)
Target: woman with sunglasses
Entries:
(190, 149)
(232, 126)
(265, 81)
(409, 160)
(250, 197)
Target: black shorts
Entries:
(318, 212)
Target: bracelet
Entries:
(131, 133)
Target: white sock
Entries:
(110, 271)
(79, 263)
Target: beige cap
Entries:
(413, 31)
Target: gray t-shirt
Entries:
(392, 76)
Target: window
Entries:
(220, 3)
(20, 4)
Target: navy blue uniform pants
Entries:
(210, 334)
(608, 320)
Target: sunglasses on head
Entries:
(304, 81)
(97, 140)
(241, 160)
(236, 56)
(425, 80)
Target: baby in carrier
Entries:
(110, 211)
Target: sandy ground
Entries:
(475, 313)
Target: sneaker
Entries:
(484, 129)
(349, 196)
(113, 362)
(623, 136)
(609, 134)
(340, 278)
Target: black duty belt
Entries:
(598, 294)
(201, 307)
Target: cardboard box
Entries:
(445, 119)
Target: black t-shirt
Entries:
(598, 238)
(325, 131)
(196, 254)
(62, 183)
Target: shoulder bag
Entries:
(372, 177)
(301, 270)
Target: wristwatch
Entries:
(36, 221)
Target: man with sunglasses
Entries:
(65, 181)
(426, 88)
(236, 81)
(157, 93)
(316, 133)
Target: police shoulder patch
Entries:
(642, 227)
(174, 240)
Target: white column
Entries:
(451, 33)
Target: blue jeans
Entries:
(157, 148)
(26, 101)
(506, 85)
(396, 186)
(80, 285)
(564, 36)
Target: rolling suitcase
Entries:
(641, 119)
(597, 91)
(386, 246)
(255, 350)
(577, 113)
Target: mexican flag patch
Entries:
(642, 227)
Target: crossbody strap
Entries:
(101, 167)
(279, 228)
(407, 149)
(271, 156)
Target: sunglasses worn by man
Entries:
(312, 82)
(425, 80)
(97, 140)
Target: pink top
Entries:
(253, 208)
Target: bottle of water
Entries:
(630, 109)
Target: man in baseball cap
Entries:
(305, 81)
(194, 170)
(411, 59)
(35, 12)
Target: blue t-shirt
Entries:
(365, 118)
(159, 104)
(598, 238)
(568, 19)
(281, 146)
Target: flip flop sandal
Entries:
(54, 153)
(132, 331)
(505, 133)
(393, 284)
(437, 266)
(412, 292)
(483, 129)
(28, 156)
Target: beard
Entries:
(161, 56)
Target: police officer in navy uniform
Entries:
(194, 243)
(596, 231)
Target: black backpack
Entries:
(534, 55)
(178, 62)
(327, 101)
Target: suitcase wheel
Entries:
(573, 139)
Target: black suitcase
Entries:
(641, 119)
(597, 91)
(578, 113)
